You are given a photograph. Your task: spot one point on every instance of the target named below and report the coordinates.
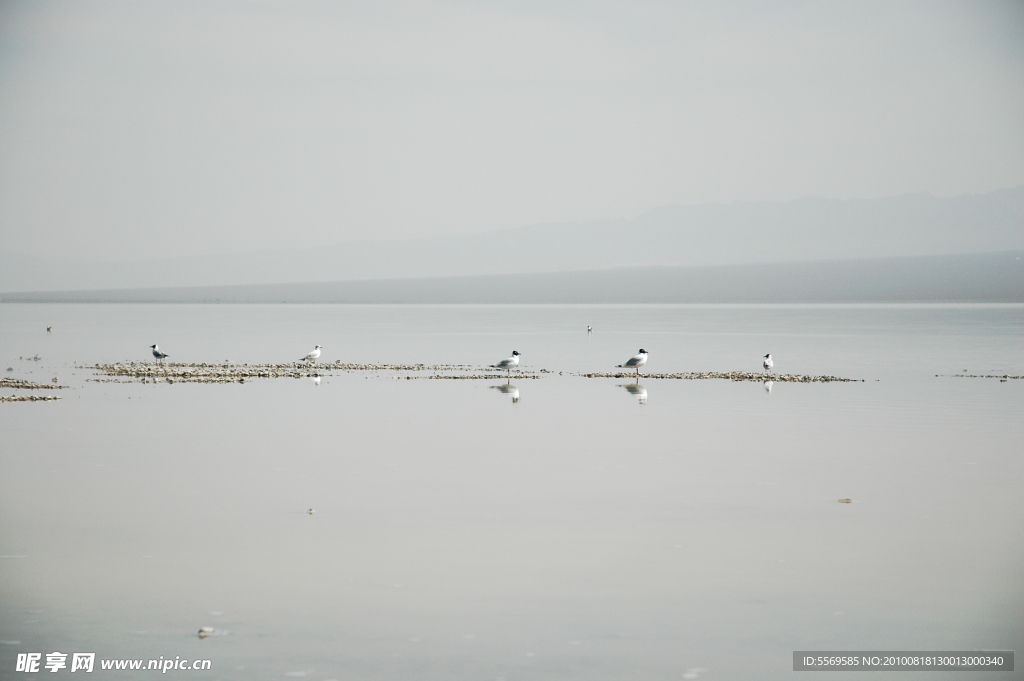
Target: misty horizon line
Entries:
(539, 224)
(799, 231)
(990, 277)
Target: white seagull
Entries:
(768, 363)
(156, 352)
(313, 355)
(508, 363)
(636, 361)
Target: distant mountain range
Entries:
(810, 229)
(987, 277)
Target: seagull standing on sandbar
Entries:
(156, 352)
(636, 361)
(508, 363)
(768, 363)
(313, 355)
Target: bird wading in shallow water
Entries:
(313, 355)
(768, 363)
(156, 352)
(508, 363)
(635, 362)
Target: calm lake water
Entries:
(567, 528)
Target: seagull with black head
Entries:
(635, 362)
(508, 363)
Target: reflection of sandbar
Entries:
(730, 376)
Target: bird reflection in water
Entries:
(768, 386)
(315, 379)
(508, 389)
(636, 389)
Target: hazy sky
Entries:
(134, 129)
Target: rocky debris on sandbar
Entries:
(231, 372)
(20, 384)
(728, 376)
(168, 372)
(1002, 377)
(30, 398)
(471, 377)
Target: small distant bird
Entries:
(768, 363)
(36, 358)
(311, 511)
(313, 355)
(156, 352)
(204, 632)
(10, 368)
(508, 363)
(49, 329)
(636, 361)
(590, 329)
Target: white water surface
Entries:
(566, 528)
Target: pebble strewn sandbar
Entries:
(145, 372)
(19, 384)
(30, 398)
(234, 373)
(729, 376)
(477, 376)
(1002, 376)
